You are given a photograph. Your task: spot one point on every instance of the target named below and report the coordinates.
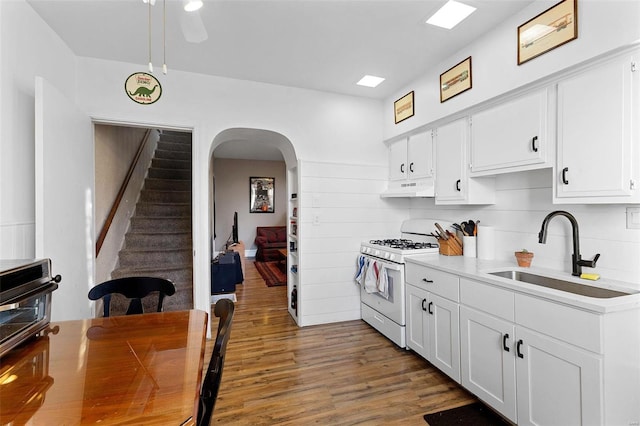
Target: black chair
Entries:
(224, 310)
(134, 288)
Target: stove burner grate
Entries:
(403, 244)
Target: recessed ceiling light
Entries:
(192, 5)
(370, 81)
(451, 14)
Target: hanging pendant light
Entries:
(164, 37)
(150, 63)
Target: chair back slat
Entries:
(133, 288)
(224, 309)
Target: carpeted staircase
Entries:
(159, 242)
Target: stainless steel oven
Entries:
(381, 275)
(25, 300)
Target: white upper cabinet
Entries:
(511, 136)
(420, 155)
(598, 121)
(411, 167)
(398, 160)
(411, 158)
(453, 184)
(451, 159)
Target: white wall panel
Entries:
(522, 202)
(18, 240)
(345, 199)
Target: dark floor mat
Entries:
(476, 414)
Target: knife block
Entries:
(449, 247)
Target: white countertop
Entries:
(478, 269)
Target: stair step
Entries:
(167, 184)
(175, 136)
(158, 173)
(175, 274)
(160, 224)
(174, 146)
(182, 278)
(150, 240)
(158, 196)
(173, 257)
(159, 241)
(166, 163)
(175, 155)
(163, 210)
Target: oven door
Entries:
(393, 307)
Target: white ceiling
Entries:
(325, 45)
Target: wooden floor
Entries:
(337, 374)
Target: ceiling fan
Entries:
(191, 23)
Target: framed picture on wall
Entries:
(403, 108)
(455, 80)
(552, 28)
(262, 194)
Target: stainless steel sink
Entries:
(568, 286)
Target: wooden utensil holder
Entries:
(449, 247)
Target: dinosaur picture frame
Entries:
(143, 88)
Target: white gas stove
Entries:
(415, 239)
(385, 310)
(395, 250)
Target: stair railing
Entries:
(123, 188)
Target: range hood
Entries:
(410, 189)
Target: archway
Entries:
(247, 148)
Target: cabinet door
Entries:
(444, 336)
(487, 356)
(420, 155)
(417, 329)
(595, 137)
(398, 160)
(557, 383)
(511, 134)
(451, 160)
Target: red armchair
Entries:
(268, 240)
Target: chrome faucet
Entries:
(576, 258)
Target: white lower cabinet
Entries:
(433, 329)
(488, 365)
(529, 377)
(557, 383)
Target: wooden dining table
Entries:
(133, 370)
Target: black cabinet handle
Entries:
(427, 280)
(518, 346)
(564, 176)
(458, 185)
(402, 168)
(504, 342)
(533, 144)
(424, 307)
(430, 310)
(411, 167)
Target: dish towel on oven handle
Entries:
(371, 277)
(383, 281)
(361, 266)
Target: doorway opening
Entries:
(239, 157)
(143, 209)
